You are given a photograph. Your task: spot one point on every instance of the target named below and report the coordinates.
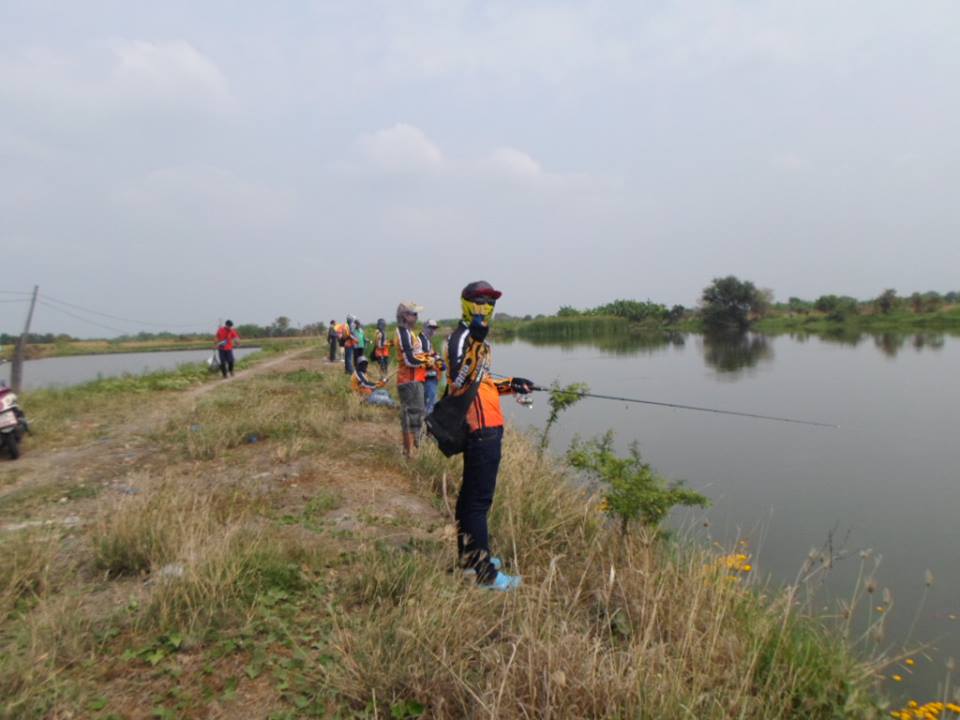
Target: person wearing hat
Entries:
(433, 378)
(333, 336)
(411, 374)
(381, 347)
(227, 339)
(468, 361)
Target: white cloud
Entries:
(514, 162)
(198, 196)
(168, 71)
(401, 149)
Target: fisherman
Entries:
(227, 339)
(347, 342)
(432, 379)
(469, 360)
(361, 339)
(411, 373)
(332, 336)
(373, 393)
(381, 347)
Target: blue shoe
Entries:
(504, 582)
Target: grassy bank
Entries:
(107, 347)
(946, 319)
(279, 560)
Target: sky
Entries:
(179, 162)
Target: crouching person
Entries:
(371, 392)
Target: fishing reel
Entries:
(524, 401)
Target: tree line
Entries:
(729, 303)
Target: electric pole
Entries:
(16, 370)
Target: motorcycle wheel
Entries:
(13, 445)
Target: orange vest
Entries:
(405, 373)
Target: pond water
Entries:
(64, 371)
(887, 481)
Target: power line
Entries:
(83, 319)
(14, 292)
(18, 300)
(117, 317)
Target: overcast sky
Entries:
(175, 162)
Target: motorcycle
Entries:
(13, 422)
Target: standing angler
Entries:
(332, 336)
(433, 374)
(469, 359)
(227, 339)
(411, 373)
(381, 347)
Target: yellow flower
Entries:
(897, 678)
(910, 661)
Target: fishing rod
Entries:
(678, 406)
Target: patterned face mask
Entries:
(477, 309)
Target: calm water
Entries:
(888, 480)
(63, 371)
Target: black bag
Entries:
(448, 421)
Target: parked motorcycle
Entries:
(13, 423)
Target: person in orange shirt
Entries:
(227, 339)
(468, 361)
(411, 374)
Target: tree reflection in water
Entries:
(734, 352)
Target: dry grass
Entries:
(603, 627)
(248, 574)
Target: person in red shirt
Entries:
(227, 339)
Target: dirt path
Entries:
(126, 443)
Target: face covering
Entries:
(474, 312)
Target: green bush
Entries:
(634, 491)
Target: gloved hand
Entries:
(521, 385)
(478, 331)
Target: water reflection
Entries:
(619, 342)
(732, 353)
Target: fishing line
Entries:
(678, 406)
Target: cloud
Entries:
(199, 196)
(515, 163)
(401, 149)
(168, 71)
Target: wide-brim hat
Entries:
(409, 306)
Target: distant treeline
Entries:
(281, 327)
(729, 303)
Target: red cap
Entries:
(480, 289)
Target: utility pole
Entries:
(16, 370)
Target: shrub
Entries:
(634, 491)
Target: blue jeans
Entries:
(348, 360)
(430, 394)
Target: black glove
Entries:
(521, 385)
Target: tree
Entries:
(567, 311)
(837, 307)
(728, 302)
(886, 301)
(280, 325)
(676, 314)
